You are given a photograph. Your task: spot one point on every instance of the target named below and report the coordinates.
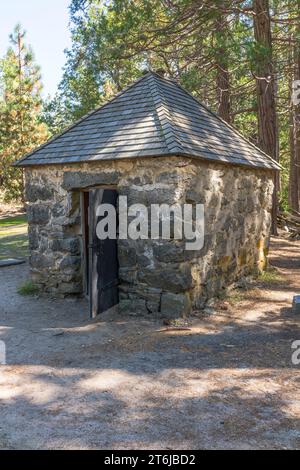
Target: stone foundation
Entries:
(156, 276)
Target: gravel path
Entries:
(122, 383)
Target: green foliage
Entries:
(270, 276)
(28, 289)
(101, 61)
(20, 105)
(236, 296)
(115, 40)
(54, 116)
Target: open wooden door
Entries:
(103, 257)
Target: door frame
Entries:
(84, 208)
(85, 230)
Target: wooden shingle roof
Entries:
(153, 117)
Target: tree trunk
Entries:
(294, 183)
(223, 77)
(293, 177)
(266, 92)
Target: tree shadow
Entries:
(122, 382)
(158, 412)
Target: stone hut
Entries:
(156, 144)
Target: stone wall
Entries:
(156, 276)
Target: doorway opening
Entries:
(100, 257)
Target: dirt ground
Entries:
(123, 383)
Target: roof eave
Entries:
(23, 163)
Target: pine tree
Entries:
(265, 89)
(294, 187)
(20, 106)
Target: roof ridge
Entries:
(174, 82)
(164, 115)
(78, 121)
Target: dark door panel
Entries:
(103, 258)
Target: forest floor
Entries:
(128, 383)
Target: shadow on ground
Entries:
(123, 383)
